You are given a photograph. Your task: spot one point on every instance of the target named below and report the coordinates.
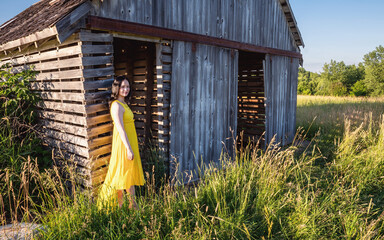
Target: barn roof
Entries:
(46, 13)
(37, 17)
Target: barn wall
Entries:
(203, 104)
(260, 22)
(74, 79)
(280, 78)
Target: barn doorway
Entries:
(251, 104)
(137, 60)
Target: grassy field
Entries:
(262, 194)
(325, 117)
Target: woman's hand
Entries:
(130, 154)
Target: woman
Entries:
(125, 170)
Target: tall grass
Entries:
(261, 194)
(324, 116)
(270, 194)
(19, 142)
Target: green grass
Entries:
(262, 194)
(271, 194)
(324, 117)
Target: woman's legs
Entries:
(132, 202)
(131, 193)
(120, 199)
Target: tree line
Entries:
(339, 79)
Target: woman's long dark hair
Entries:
(116, 88)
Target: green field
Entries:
(332, 188)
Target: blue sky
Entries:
(332, 29)
(338, 29)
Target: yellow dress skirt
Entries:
(122, 173)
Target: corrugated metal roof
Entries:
(37, 17)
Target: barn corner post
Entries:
(98, 75)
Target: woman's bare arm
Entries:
(117, 112)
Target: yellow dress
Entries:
(122, 173)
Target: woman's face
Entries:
(124, 88)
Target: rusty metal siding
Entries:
(203, 104)
(260, 22)
(281, 95)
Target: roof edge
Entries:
(292, 22)
(45, 33)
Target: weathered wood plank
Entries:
(95, 131)
(92, 85)
(100, 151)
(95, 37)
(64, 117)
(93, 108)
(71, 129)
(69, 74)
(65, 146)
(98, 119)
(96, 142)
(66, 107)
(63, 26)
(66, 96)
(57, 85)
(65, 137)
(45, 33)
(98, 72)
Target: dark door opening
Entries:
(137, 60)
(251, 105)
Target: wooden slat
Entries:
(98, 72)
(96, 49)
(62, 117)
(97, 60)
(100, 151)
(31, 54)
(43, 56)
(68, 138)
(94, 131)
(97, 163)
(97, 95)
(67, 96)
(71, 148)
(69, 74)
(97, 180)
(45, 33)
(99, 172)
(93, 108)
(66, 107)
(91, 85)
(66, 63)
(92, 143)
(98, 119)
(76, 85)
(95, 37)
(71, 129)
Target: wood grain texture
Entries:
(261, 22)
(203, 105)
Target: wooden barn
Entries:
(202, 71)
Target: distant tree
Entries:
(337, 78)
(307, 82)
(374, 71)
(359, 89)
(352, 75)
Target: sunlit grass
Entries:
(325, 115)
(273, 193)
